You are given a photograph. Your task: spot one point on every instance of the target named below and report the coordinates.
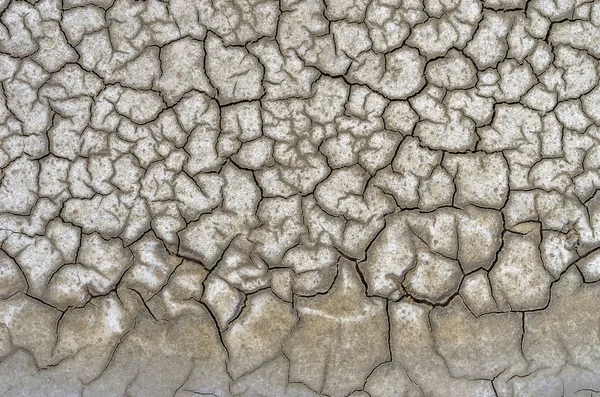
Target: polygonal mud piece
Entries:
(479, 237)
(481, 179)
(403, 76)
(399, 116)
(488, 47)
(437, 190)
(390, 379)
(558, 251)
(182, 69)
(11, 277)
(476, 292)
(152, 267)
(391, 254)
(436, 231)
(223, 300)
(314, 268)
(443, 128)
(18, 186)
(590, 267)
(519, 279)
(139, 106)
(452, 72)
(434, 278)
(235, 74)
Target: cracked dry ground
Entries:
(300, 198)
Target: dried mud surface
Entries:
(366, 198)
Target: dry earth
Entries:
(300, 198)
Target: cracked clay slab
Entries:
(300, 198)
